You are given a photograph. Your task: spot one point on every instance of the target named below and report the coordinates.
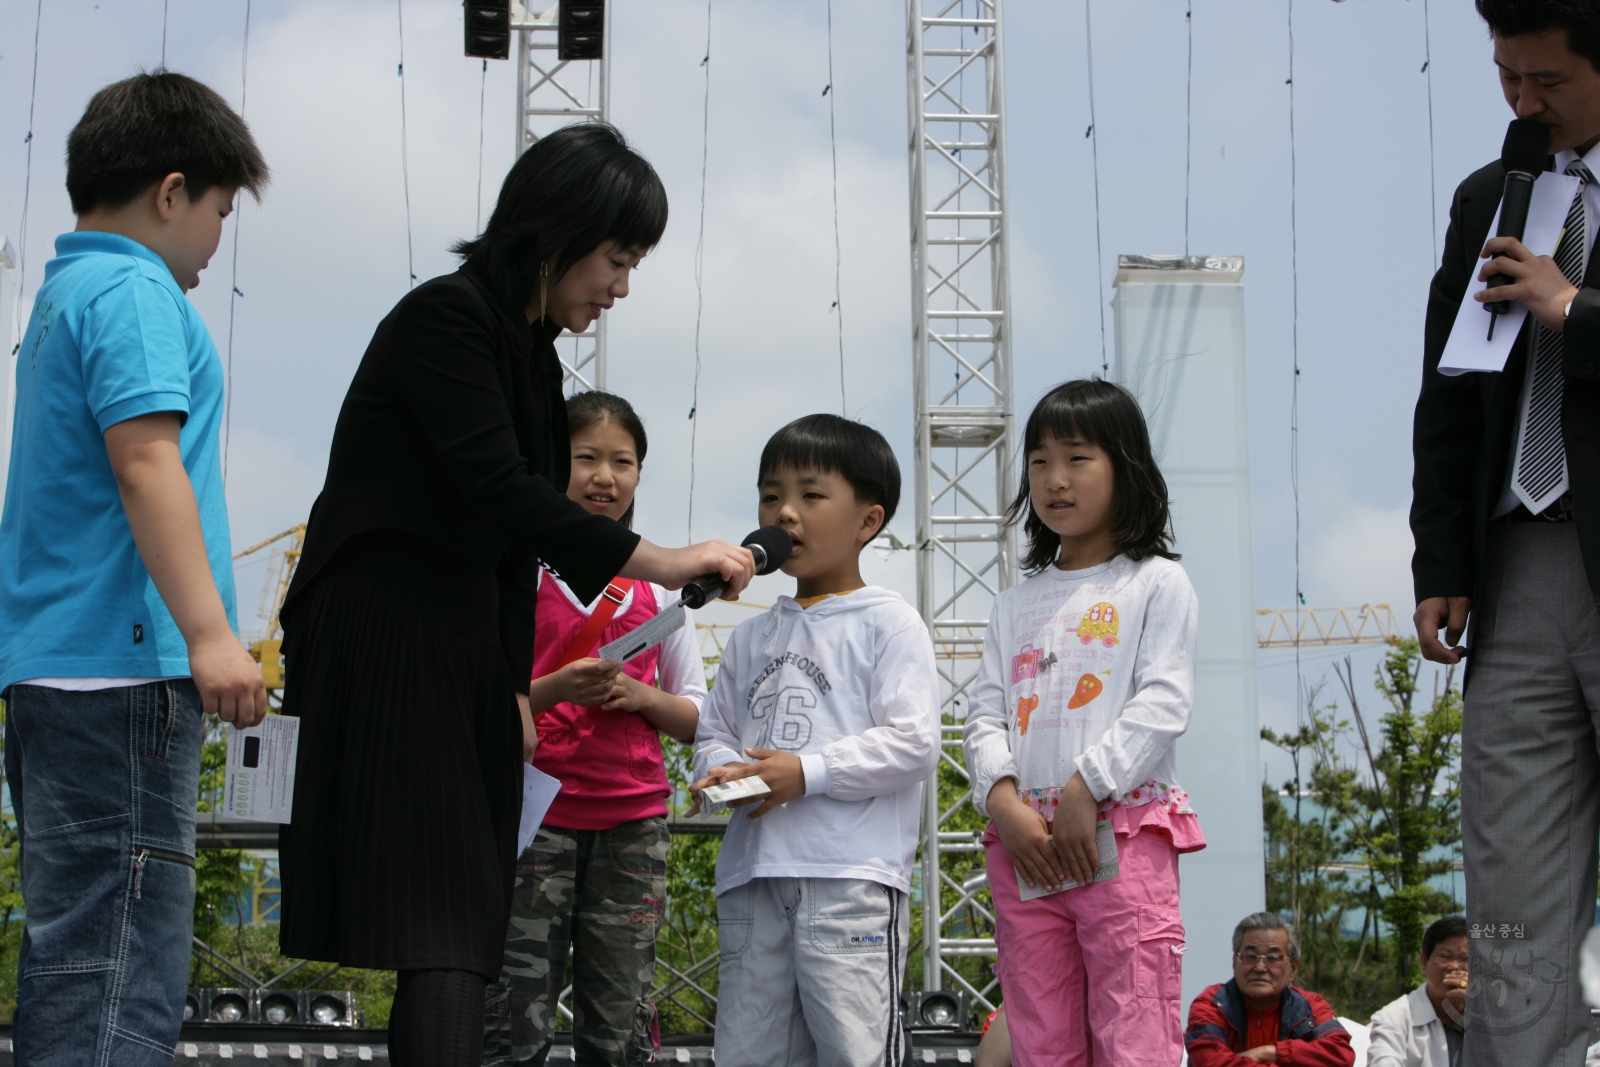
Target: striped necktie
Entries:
(1539, 471)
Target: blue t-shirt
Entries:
(112, 337)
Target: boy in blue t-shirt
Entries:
(116, 587)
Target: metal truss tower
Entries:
(552, 93)
(965, 464)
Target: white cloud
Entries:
(1357, 553)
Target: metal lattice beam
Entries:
(964, 456)
(552, 93)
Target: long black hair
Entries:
(587, 408)
(1106, 415)
(580, 186)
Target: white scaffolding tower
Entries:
(965, 469)
(551, 93)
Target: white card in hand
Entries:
(714, 799)
(1469, 347)
(1105, 843)
(644, 637)
(538, 793)
(260, 770)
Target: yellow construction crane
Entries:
(1370, 624)
(268, 651)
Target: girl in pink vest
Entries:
(594, 878)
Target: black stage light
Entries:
(228, 1006)
(581, 29)
(279, 1008)
(488, 24)
(326, 1008)
(274, 1007)
(940, 1009)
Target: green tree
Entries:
(1408, 805)
(1371, 837)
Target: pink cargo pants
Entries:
(1093, 976)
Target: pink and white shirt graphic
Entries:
(1090, 672)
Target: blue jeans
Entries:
(104, 785)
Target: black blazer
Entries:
(455, 430)
(1462, 435)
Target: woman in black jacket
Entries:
(409, 625)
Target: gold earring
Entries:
(544, 284)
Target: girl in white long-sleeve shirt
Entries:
(1086, 684)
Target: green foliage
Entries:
(974, 919)
(687, 941)
(224, 882)
(10, 891)
(1378, 828)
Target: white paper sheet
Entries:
(1469, 347)
(1105, 843)
(259, 784)
(716, 799)
(645, 636)
(538, 793)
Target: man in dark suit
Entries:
(1506, 515)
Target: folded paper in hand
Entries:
(1470, 348)
(714, 799)
(644, 637)
(259, 784)
(1105, 842)
(538, 793)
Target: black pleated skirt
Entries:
(408, 787)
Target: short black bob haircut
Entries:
(137, 131)
(833, 445)
(1442, 930)
(565, 196)
(1580, 18)
(592, 406)
(1106, 415)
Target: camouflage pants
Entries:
(599, 892)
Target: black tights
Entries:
(437, 1019)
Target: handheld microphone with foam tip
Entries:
(770, 545)
(1523, 156)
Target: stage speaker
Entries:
(581, 29)
(488, 26)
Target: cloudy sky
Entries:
(324, 256)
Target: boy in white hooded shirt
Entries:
(835, 697)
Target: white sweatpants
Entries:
(811, 973)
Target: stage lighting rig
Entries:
(488, 26)
(939, 1009)
(581, 29)
(273, 1007)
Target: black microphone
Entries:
(1524, 155)
(770, 545)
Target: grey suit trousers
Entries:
(1530, 802)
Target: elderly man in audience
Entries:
(1423, 1028)
(1259, 1016)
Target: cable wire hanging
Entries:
(1188, 124)
(27, 180)
(405, 165)
(1433, 183)
(699, 274)
(234, 294)
(838, 253)
(165, 4)
(1294, 394)
(483, 85)
(1093, 134)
